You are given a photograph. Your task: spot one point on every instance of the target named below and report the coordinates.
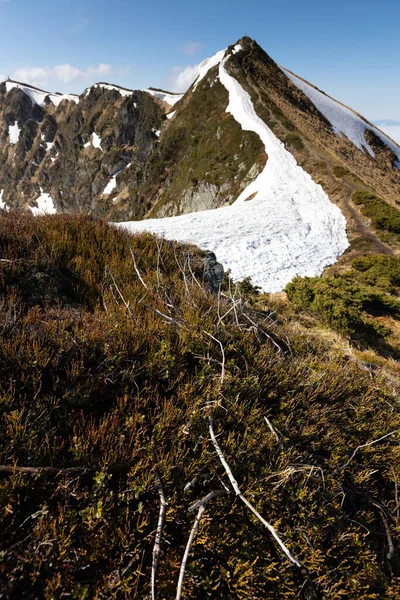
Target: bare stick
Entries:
(201, 505)
(223, 355)
(272, 429)
(120, 293)
(160, 524)
(187, 550)
(182, 271)
(136, 269)
(367, 444)
(236, 488)
(271, 339)
(160, 314)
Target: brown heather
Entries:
(101, 395)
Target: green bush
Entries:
(382, 215)
(343, 304)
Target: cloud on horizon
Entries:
(65, 73)
(181, 78)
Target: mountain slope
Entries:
(128, 155)
(282, 224)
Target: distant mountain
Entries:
(392, 128)
(247, 129)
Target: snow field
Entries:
(290, 227)
(343, 120)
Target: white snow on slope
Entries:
(3, 205)
(45, 205)
(169, 98)
(13, 132)
(171, 114)
(290, 227)
(96, 140)
(208, 64)
(112, 184)
(343, 120)
(39, 96)
(108, 86)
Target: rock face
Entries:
(128, 155)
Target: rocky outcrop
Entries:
(114, 153)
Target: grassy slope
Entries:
(90, 379)
(202, 144)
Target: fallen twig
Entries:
(160, 524)
(236, 488)
(367, 444)
(201, 506)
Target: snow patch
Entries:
(108, 86)
(208, 64)
(45, 205)
(290, 226)
(96, 141)
(3, 205)
(167, 97)
(343, 120)
(13, 132)
(171, 114)
(39, 96)
(392, 131)
(111, 185)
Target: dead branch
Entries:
(160, 314)
(273, 431)
(223, 355)
(367, 444)
(119, 292)
(201, 505)
(236, 488)
(136, 268)
(160, 524)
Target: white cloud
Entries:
(182, 78)
(38, 75)
(65, 73)
(192, 47)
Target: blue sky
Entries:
(350, 49)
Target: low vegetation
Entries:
(384, 218)
(362, 303)
(121, 375)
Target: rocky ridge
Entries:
(125, 154)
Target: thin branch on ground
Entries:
(201, 506)
(236, 488)
(160, 524)
(223, 355)
(119, 292)
(367, 444)
(272, 429)
(136, 268)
